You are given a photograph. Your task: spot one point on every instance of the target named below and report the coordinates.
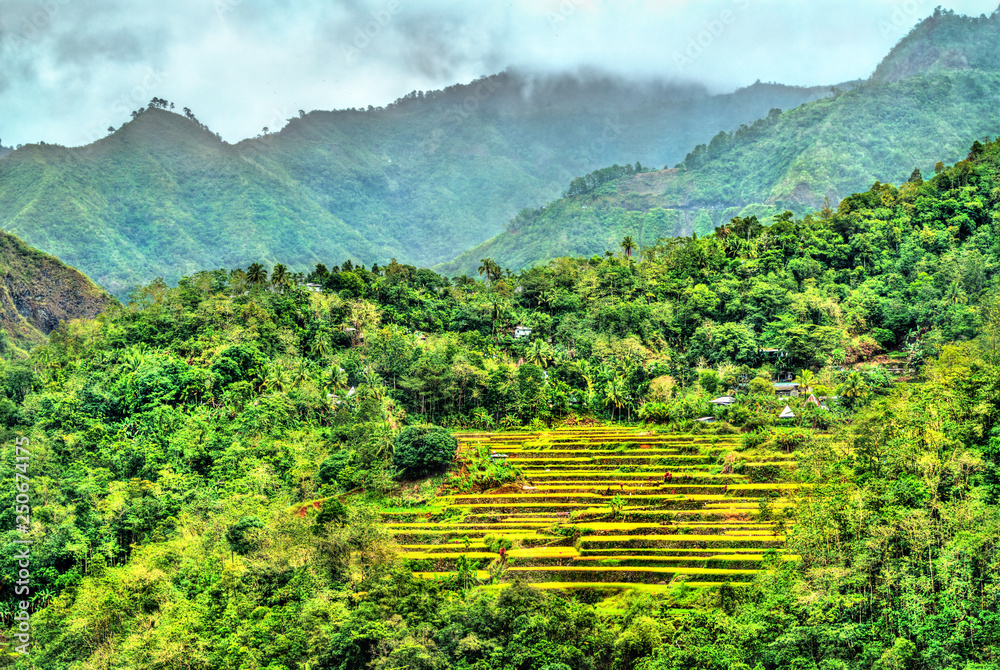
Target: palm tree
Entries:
(256, 274)
(371, 385)
(614, 394)
(955, 295)
(806, 380)
(628, 246)
(854, 386)
(539, 353)
(300, 374)
(338, 379)
(276, 377)
(279, 276)
(489, 268)
(499, 309)
(320, 345)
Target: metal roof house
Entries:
(786, 388)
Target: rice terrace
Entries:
(608, 507)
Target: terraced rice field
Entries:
(592, 509)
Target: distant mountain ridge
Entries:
(933, 95)
(944, 42)
(419, 180)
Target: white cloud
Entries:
(70, 68)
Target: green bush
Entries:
(789, 440)
(330, 468)
(423, 450)
(754, 439)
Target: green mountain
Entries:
(419, 180)
(931, 97)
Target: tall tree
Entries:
(491, 269)
(280, 277)
(628, 246)
(256, 274)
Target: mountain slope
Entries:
(161, 197)
(796, 160)
(38, 292)
(419, 180)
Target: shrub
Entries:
(661, 389)
(726, 428)
(754, 439)
(756, 422)
(789, 440)
(424, 450)
(709, 380)
(655, 412)
(331, 467)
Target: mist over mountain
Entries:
(932, 96)
(420, 180)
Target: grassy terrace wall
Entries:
(592, 507)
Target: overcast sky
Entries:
(71, 68)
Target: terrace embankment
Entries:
(609, 507)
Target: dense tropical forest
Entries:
(177, 443)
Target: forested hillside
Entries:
(931, 97)
(431, 174)
(178, 443)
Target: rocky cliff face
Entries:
(38, 292)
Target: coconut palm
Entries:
(337, 380)
(256, 274)
(955, 295)
(372, 385)
(615, 394)
(539, 353)
(490, 268)
(854, 386)
(320, 345)
(276, 377)
(806, 381)
(300, 375)
(628, 246)
(280, 278)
